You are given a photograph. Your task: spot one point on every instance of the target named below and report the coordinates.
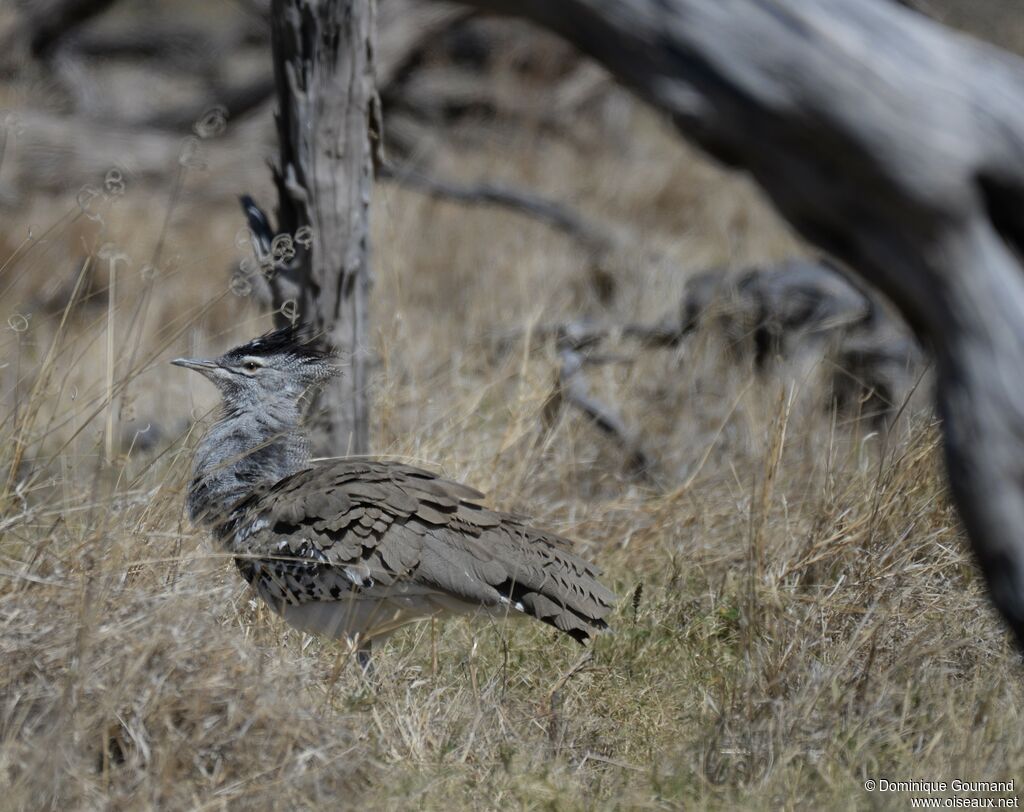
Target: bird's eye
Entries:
(250, 366)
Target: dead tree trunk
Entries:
(324, 74)
(892, 143)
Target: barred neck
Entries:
(243, 454)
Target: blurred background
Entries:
(572, 310)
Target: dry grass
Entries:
(798, 609)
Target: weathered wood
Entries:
(324, 63)
(593, 237)
(892, 143)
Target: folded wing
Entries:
(385, 533)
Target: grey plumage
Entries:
(257, 438)
(356, 548)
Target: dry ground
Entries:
(798, 614)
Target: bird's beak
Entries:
(200, 365)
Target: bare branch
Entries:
(552, 213)
(572, 389)
(583, 335)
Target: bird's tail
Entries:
(259, 225)
(558, 587)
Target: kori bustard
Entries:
(354, 548)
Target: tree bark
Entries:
(324, 74)
(889, 141)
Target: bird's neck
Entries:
(241, 454)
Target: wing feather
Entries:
(373, 524)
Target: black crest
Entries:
(290, 340)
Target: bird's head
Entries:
(279, 366)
